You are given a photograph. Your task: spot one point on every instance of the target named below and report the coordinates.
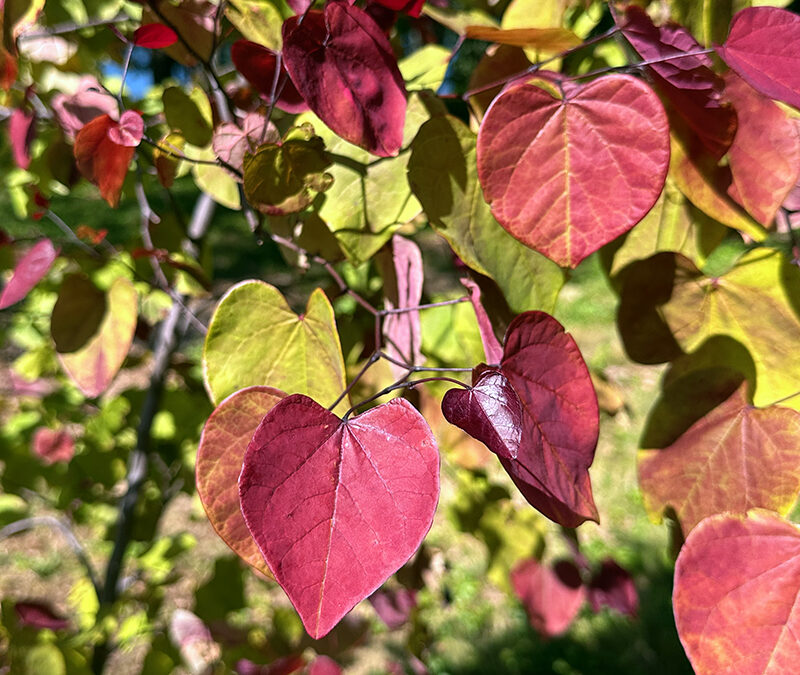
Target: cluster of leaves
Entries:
(588, 127)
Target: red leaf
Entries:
(403, 278)
(393, 607)
(552, 596)
(344, 67)
(765, 155)
(39, 615)
(128, 131)
(8, 69)
(21, 132)
(53, 446)
(28, 272)
(88, 102)
(567, 173)
(282, 666)
(688, 82)
(489, 411)
(763, 46)
(613, 587)
(104, 162)
(324, 665)
(410, 7)
(337, 506)
(154, 36)
(257, 66)
(491, 345)
(737, 582)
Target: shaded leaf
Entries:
(194, 641)
(77, 314)
(491, 346)
(337, 506)
(28, 272)
(410, 7)
(499, 62)
(188, 114)
(53, 446)
(219, 462)
(194, 22)
(94, 366)
(8, 69)
(21, 131)
(736, 586)
(101, 160)
(88, 102)
(254, 338)
(166, 161)
(566, 175)
(612, 586)
(154, 36)
(39, 615)
(324, 665)
(343, 66)
(257, 65)
(763, 46)
(393, 607)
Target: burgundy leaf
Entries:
(337, 506)
(343, 65)
(552, 596)
(489, 411)
(324, 665)
(491, 345)
(20, 132)
(89, 102)
(53, 446)
(393, 606)
(257, 65)
(39, 615)
(28, 272)
(282, 666)
(403, 279)
(154, 36)
(763, 46)
(613, 587)
(688, 82)
(410, 7)
(128, 131)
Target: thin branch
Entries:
(402, 384)
(125, 68)
(430, 305)
(638, 65)
(373, 358)
(422, 369)
(72, 27)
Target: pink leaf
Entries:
(737, 582)
(232, 142)
(53, 446)
(154, 36)
(128, 131)
(257, 66)
(337, 506)
(39, 615)
(28, 272)
(21, 132)
(89, 102)
(489, 411)
(613, 587)
(568, 172)
(763, 46)
(343, 65)
(324, 665)
(491, 345)
(403, 279)
(552, 596)
(689, 83)
(393, 607)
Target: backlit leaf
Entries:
(546, 39)
(52, 445)
(736, 587)
(343, 65)
(188, 114)
(28, 272)
(491, 346)
(257, 65)
(232, 142)
(154, 36)
(256, 20)
(707, 19)
(565, 175)
(193, 21)
(763, 46)
(734, 459)
(94, 366)
(129, 130)
(21, 131)
(77, 314)
(256, 339)
(425, 68)
(219, 463)
(337, 506)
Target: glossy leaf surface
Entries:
(28, 272)
(337, 506)
(256, 339)
(735, 597)
(343, 66)
(566, 175)
(223, 443)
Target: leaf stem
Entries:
(402, 384)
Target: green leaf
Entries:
(188, 114)
(257, 20)
(708, 20)
(425, 68)
(44, 658)
(256, 339)
(442, 172)
(214, 180)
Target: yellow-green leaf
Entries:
(257, 20)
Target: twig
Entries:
(72, 27)
(423, 369)
(402, 384)
(430, 305)
(370, 362)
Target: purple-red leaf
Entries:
(763, 46)
(613, 587)
(490, 411)
(552, 596)
(28, 272)
(20, 133)
(491, 345)
(737, 582)
(343, 65)
(568, 171)
(257, 65)
(154, 36)
(53, 446)
(688, 82)
(337, 506)
(219, 463)
(393, 607)
(39, 615)
(324, 665)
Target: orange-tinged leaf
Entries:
(736, 595)
(568, 173)
(549, 39)
(735, 458)
(219, 463)
(94, 366)
(101, 160)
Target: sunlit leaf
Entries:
(154, 36)
(28, 272)
(257, 20)
(546, 39)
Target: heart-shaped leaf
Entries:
(612, 586)
(568, 169)
(219, 463)
(129, 130)
(737, 582)
(28, 272)
(337, 506)
(77, 314)
(342, 64)
(103, 161)
(763, 46)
